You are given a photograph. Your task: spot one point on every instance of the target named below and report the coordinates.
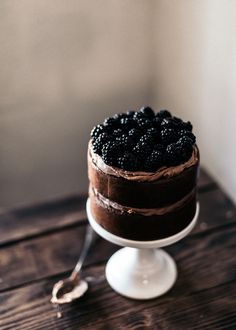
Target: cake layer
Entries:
(137, 226)
(143, 194)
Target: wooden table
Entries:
(40, 245)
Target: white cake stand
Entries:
(140, 270)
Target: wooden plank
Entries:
(210, 309)
(43, 218)
(57, 253)
(34, 220)
(44, 256)
(184, 307)
(216, 210)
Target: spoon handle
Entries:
(90, 234)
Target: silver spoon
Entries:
(73, 287)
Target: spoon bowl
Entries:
(73, 287)
(67, 290)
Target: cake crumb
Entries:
(58, 312)
(59, 315)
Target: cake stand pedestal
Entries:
(141, 270)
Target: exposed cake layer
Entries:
(105, 202)
(143, 189)
(137, 224)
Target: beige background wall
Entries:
(65, 65)
(196, 75)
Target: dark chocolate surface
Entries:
(139, 227)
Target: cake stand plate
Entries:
(141, 270)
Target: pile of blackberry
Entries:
(143, 140)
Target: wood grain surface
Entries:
(40, 244)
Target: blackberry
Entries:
(179, 152)
(187, 126)
(111, 122)
(177, 120)
(153, 132)
(109, 152)
(97, 147)
(186, 154)
(147, 112)
(118, 116)
(97, 143)
(168, 135)
(159, 147)
(173, 154)
(148, 138)
(96, 131)
(108, 147)
(186, 147)
(170, 123)
(117, 132)
(142, 140)
(157, 122)
(127, 123)
(163, 114)
(128, 142)
(130, 114)
(128, 162)
(138, 115)
(104, 137)
(120, 148)
(135, 133)
(142, 150)
(185, 143)
(124, 139)
(185, 140)
(144, 123)
(154, 161)
(187, 134)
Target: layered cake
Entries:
(142, 168)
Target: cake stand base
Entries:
(141, 270)
(141, 273)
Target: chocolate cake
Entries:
(142, 169)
